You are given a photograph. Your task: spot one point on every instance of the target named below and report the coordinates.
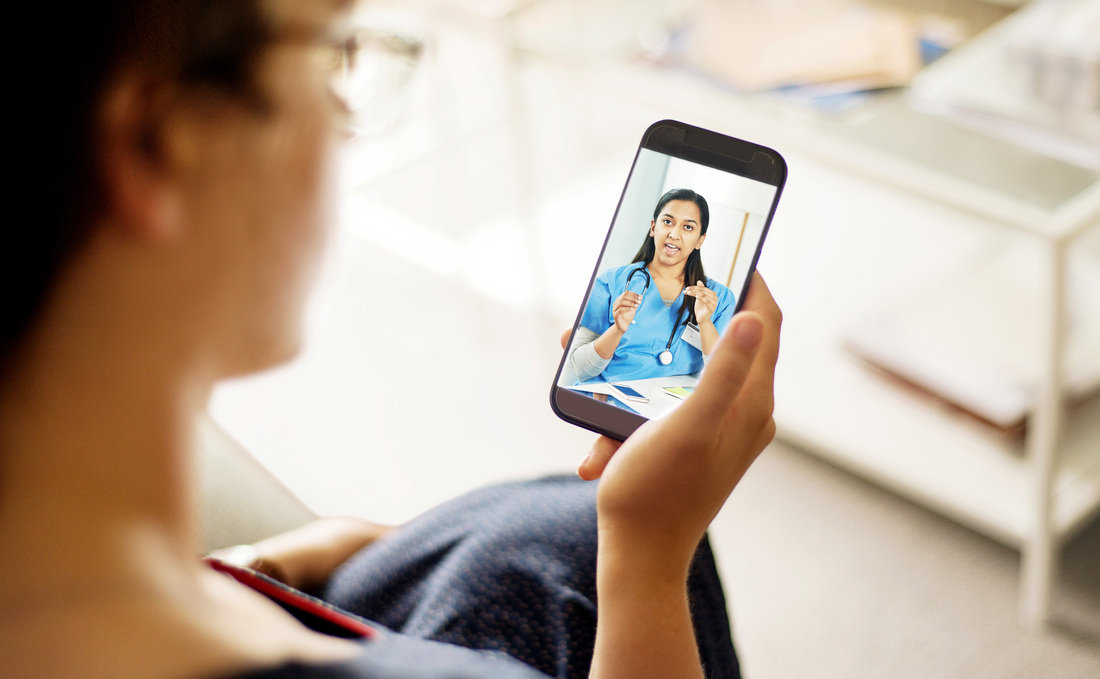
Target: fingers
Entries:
(565, 337)
(701, 292)
(626, 305)
(623, 307)
(591, 468)
(759, 300)
(706, 301)
(724, 377)
(728, 369)
(626, 301)
(623, 313)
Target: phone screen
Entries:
(674, 269)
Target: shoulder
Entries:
(618, 271)
(616, 276)
(723, 291)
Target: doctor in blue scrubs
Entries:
(634, 324)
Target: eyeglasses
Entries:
(368, 69)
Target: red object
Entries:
(291, 598)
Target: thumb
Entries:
(727, 369)
(591, 468)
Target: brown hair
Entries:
(693, 267)
(81, 48)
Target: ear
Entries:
(141, 190)
(652, 227)
(702, 238)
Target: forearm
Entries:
(305, 557)
(608, 342)
(708, 337)
(584, 361)
(644, 626)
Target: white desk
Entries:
(659, 402)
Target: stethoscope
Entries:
(665, 357)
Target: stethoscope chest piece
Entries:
(665, 357)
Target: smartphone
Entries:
(627, 393)
(675, 266)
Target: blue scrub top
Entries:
(636, 356)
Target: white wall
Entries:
(636, 210)
(730, 199)
(735, 203)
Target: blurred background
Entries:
(928, 508)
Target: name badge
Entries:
(692, 337)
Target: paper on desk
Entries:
(755, 46)
(974, 339)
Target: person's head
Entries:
(676, 235)
(175, 175)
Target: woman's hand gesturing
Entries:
(706, 301)
(624, 308)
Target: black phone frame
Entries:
(697, 145)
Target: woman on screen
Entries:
(660, 314)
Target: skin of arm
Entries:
(606, 343)
(706, 301)
(583, 359)
(708, 335)
(661, 488)
(305, 557)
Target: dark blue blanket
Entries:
(503, 574)
(511, 568)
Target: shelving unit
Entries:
(942, 460)
(1032, 499)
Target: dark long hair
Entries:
(211, 45)
(693, 267)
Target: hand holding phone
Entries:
(660, 490)
(645, 486)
